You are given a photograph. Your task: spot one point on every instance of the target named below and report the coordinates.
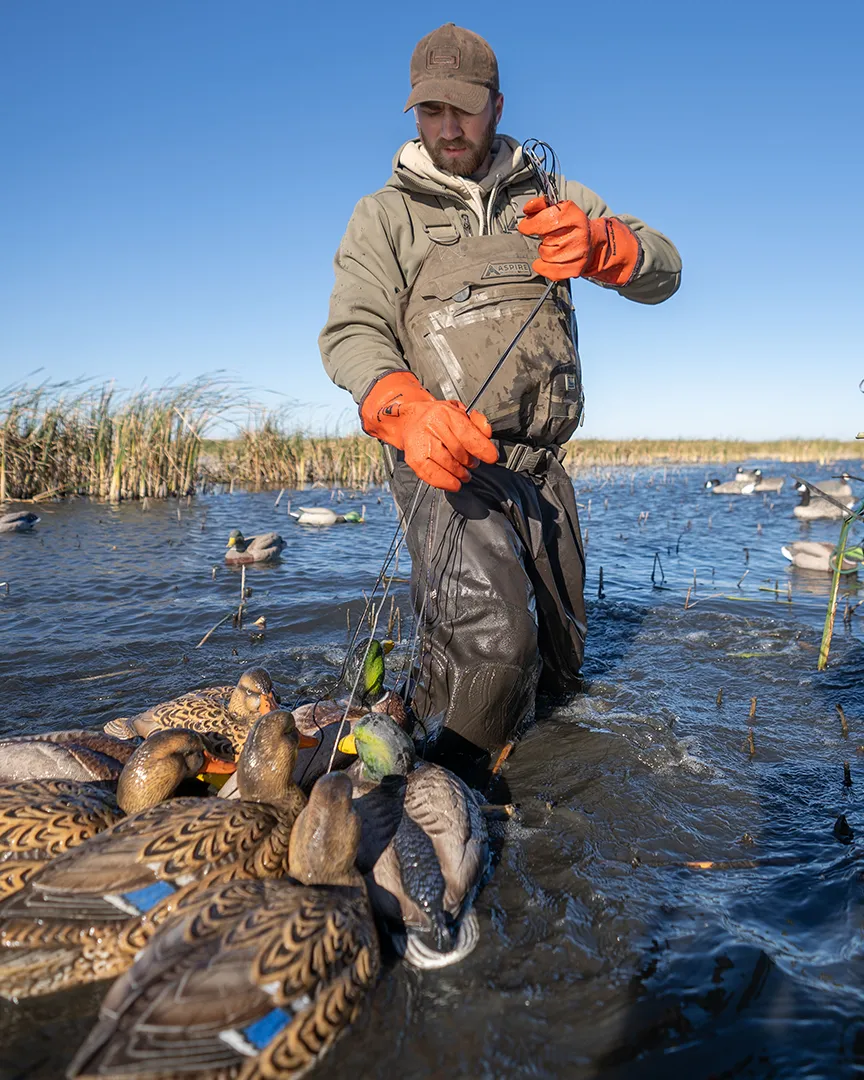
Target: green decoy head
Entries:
(367, 659)
(236, 540)
(355, 517)
(382, 746)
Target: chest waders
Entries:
(498, 567)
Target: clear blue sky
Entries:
(176, 175)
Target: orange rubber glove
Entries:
(441, 442)
(574, 245)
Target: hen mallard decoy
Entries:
(812, 508)
(85, 915)
(324, 515)
(229, 711)
(251, 549)
(40, 819)
(64, 755)
(424, 846)
(730, 487)
(18, 521)
(821, 555)
(258, 978)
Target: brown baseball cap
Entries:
(455, 66)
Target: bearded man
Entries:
(435, 276)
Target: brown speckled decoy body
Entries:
(68, 755)
(89, 911)
(257, 978)
(40, 819)
(229, 711)
(310, 718)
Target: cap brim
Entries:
(469, 97)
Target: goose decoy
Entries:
(424, 847)
(229, 711)
(763, 483)
(86, 914)
(252, 549)
(815, 509)
(18, 521)
(323, 515)
(730, 487)
(839, 487)
(258, 978)
(820, 555)
(43, 818)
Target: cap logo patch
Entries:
(443, 57)
(508, 269)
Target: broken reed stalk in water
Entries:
(231, 615)
(753, 708)
(844, 727)
(751, 743)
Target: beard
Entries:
(466, 164)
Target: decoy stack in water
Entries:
(424, 846)
(40, 819)
(252, 549)
(822, 556)
(18, 521)
(257, 978)
(229, 711)
(89, 911)
(324, 515)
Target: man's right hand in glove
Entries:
(439, 439)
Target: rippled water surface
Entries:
(602, 954)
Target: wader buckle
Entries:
(521, 457)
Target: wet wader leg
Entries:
(480, 650)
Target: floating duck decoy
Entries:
(258, 978)
(85, 915)
(229, 711)
(18, 521)
(820, 555)
(816, 509)
(839, 487)
(252, 549)
(730, 487)
(63, 755)
(424, 846)
(324, 515)
(43, 818)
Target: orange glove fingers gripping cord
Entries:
(574, 245)
(438, 438)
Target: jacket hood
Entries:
(414, 170)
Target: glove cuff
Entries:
(381, 407)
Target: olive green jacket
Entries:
(385, 243)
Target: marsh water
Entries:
(602, 953)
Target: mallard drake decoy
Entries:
(258, 978)
(252, 549)
(43, 818)
(63, 755)
(821, 555)
(424, 846)
(225, 710)
(18, 521)
(730, 487)
(815, 509)
(85, 915)
(324, 515)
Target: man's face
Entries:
(458, 142)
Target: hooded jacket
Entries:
(385, 243)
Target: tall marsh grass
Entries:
(73, 439)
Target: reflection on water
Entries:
(601, 955)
